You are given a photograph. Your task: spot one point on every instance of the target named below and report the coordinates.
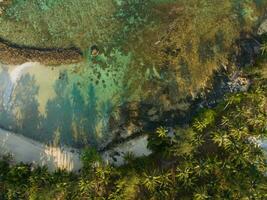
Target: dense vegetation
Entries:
(218, 156)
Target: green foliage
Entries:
(159, 141)
(127, 188)
(263, 48)
(206, 119)
(162, 132)
(157, 184)
(90, 156)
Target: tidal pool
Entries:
(68, 104)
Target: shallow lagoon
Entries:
(70, 104)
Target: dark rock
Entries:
(249, 49)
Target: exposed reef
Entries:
(14, 54)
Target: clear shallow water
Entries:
(70, 104)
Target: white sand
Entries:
(26, 150)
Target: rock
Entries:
(154, 118)
(152, 111)
(129, 130)
(263, 28)
(249, 50)
(239, 84)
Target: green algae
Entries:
(46, 23)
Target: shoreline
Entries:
(26, 150)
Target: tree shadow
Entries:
(70, 118)
(219, 41)
(56, 124)
(91, 113)
(205, 50)
(6, 118)
(73, 117)
(19, 106)
(185, 71)
(24, 105)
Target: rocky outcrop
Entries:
(262, 28)
(14, 54)
(249, 49)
